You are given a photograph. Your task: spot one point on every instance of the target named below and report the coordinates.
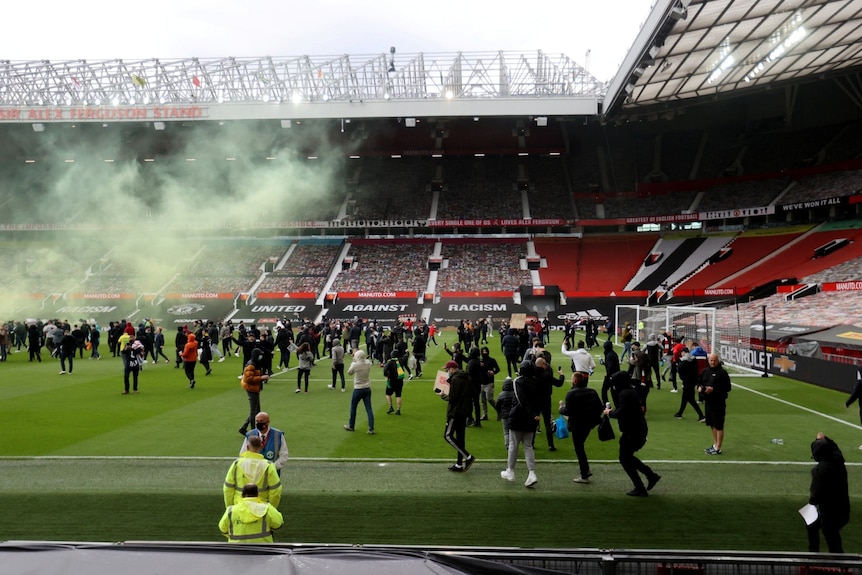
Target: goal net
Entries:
(726, 330)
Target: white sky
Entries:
(107, 29)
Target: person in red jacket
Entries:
(190, 358)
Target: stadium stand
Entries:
(482, 265)
(795, 259)
(385, 266)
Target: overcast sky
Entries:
(175, 29)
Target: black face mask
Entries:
(260, 425)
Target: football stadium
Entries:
(177, 225)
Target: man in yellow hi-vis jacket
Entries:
(251, 520)
(251, 467)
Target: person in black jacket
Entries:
(546, 381)
(584, 410)
(640, 372)
(460, 404)
(687, 370)
(34, 344)
(633, 435)
(829, 493)
(476, 370)
(715, 385)
(492, 368)
(180, 341)
(504, 405)
(68, 347)
(522, 421)
(510, 344)
(611, 362)
(419, 345)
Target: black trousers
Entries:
(629, 445)
(456, 429)
(831, 535)
(688, 399)
(546, 418)
(579, 438)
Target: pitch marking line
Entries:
(797, 406)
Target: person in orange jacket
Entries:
(190, 358)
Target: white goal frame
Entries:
(657, 319)
(713, 328)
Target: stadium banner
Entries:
(476, 294)
(841, 286)
(449, 311)
(711, 292)
(185, 310)
(199, 295)
(100, 311)
(42, 114)
(577, 309)
(378, 295)
(100, 296)
(268, 311)
(28, 296)
(286, 295)
(816, 203)
(737, 213)
(385, 313)
(498, 222)
(828, 374)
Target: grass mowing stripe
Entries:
(416, 504)
(802, 407)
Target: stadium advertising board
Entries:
(184, 308)
(99, 307)
(386, 308)
(270, 307)
(829, 374)
(498, 222)
(449, 311)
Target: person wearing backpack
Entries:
(394, 374)
(584, 410)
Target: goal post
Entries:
(691, 322)
(724, 330)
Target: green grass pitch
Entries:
(81, 462)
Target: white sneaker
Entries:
(331, 386)
(508, 475)
(674, 391)
(531, 479)
(221, 359)
(580, 480)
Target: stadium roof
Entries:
(688, 50)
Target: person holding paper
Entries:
(829, 493)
